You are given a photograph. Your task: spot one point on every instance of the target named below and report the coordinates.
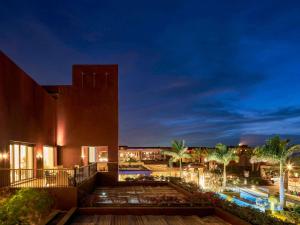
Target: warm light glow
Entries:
(48, 155)
(60, 132)
(4, 156)
(289, 166)
(39, 155)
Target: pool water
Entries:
(249, 198)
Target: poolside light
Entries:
(253, 187)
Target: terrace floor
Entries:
(146, 220)
(137, 195)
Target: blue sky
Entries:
(203, 71)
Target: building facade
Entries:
(66, 125)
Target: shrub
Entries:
(249, 214)
(190, 187)
(26, 206)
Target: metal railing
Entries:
(84, 172)
(43, 178)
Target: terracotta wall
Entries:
(87, 112)
(71, 116)
(27, 111)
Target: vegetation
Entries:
(131, 160)
(223, 155)
(276, 151)
(178, 152)
(26, 206)
(199, 153)
(214, 183)
(249, 214)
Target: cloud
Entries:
(207, 73)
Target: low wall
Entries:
(144, 183)
(64, 197)
(180, 189)
(106, 179)
(85, 188)
(88, 185)
(230, 218)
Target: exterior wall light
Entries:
(39, 155)
(3, 156)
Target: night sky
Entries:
(223, 71)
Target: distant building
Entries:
(155, 154)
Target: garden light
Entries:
(289, 166)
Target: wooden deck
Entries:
(136, 195)
(146, 220)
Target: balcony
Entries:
(46, 178)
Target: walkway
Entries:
(146, 220)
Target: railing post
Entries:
(74, 177)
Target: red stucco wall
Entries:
(27, 111)
(82, 114)
(87, 112)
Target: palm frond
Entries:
(186, 156)
(222, 154)
(169, 153)
(292, 151)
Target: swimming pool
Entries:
(242, 203)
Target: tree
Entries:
(223, 155)
(277, 151)
(178, 152)
(131, 160)
(27, 206)
(198, 153)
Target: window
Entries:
(48, 157)
(21, 161)
(92, 154)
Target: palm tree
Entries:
(178, 152)
(223, 155)
(276, 151)
(198, 153)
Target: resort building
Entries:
(46, 127)
(150, 154)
